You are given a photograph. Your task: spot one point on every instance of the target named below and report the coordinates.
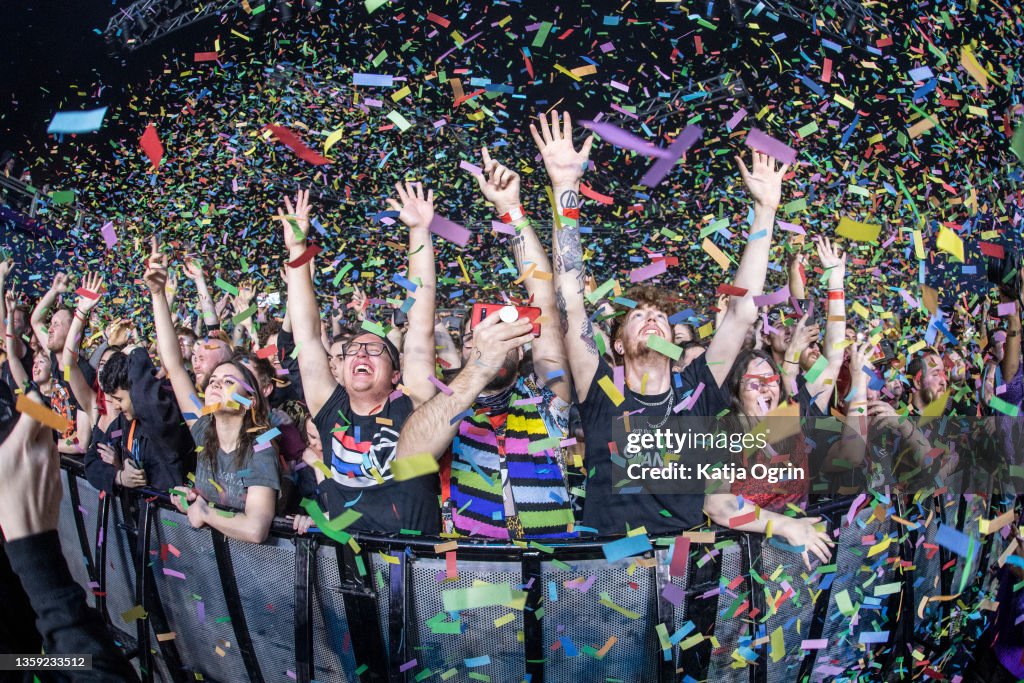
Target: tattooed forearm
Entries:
(570, 251)
(587, 337)
(518, 245)
(563, 315)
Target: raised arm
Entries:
(194, 271)
(303, 311)
(6, 266)
(18, 373)
(851, 449)
(166, 339)
(38, 319)
(764, 182)
(416, 211)
(500, 186)
(1012, 349)
(565, 168)
(242, 303)
(82, 390)
(833, 260)
(432, 426)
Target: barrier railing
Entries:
(186, 602)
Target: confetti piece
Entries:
(292, 142)
(860, 232)
(762, 142)
(41, 414)
(484, 595)
(413, 466)
(626, 547)
(450, 230)
(77, 121)
(151, 146)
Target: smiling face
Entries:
(41, 368)
(121, 399)
(641, 323)
(759, 390)
(367, 373)
(57, 333)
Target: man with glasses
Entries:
(360, 416)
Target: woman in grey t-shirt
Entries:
(237, 461)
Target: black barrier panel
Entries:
(591, 588)
(728, 630)
(189, 586)
(741, 611)
(119, 569)
(789, 609)
(265, 575)
(78, 561)
(332, 641)
(479, 636)
(858, 589)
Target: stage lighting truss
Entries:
(837, 20)
(145, 21)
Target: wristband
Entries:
(513, 214)
(836, 295)
(794, 362)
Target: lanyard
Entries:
(131, 442)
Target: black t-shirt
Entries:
(609, 511)
(359, 449)
(26, 362)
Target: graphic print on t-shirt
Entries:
(355, 463)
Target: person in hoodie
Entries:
(149, 438)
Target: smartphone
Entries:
(888, 353)
(481, 311)
(272, 299)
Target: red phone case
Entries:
(481, 311)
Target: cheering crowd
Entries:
(516, 402)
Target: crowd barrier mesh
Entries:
(189, 604)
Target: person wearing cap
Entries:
(498, 433)
(359, 422)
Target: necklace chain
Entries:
(667, 402)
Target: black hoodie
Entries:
(162, 442)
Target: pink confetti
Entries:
(648, 271)
(766, 144)
(450, 230)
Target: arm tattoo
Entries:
(587, 337)
(563, 315)
(518, 244)
(570, 251)
(569, 200)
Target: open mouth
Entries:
(651, 329)
(361, 368)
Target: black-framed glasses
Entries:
(372, 348)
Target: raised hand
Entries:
(295, 221)
(359, 299)
(564, 164)
(414, 206)
(499, 184)
(831, 256)
(194, 269)
(61, 283)
(156, 268)
(763, 179)
(244, 298)
(803, 336)
(93, 282)
(493, 339)
(118, 332)
(6, 266)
